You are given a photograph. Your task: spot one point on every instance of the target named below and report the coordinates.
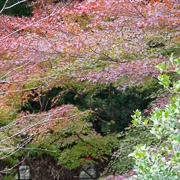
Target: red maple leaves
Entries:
(98, 41)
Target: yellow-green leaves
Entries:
(164, 80)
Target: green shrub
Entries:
(161, 161)
(120, 161)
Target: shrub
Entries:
(161, 161)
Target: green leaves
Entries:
(164, 80)
(177, 70)
(121, 160)
(162, 160)
(136, 117)
(176, 61)
(95, 146)
(161, 67)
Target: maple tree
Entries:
(79, 48)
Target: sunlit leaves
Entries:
(164, 80)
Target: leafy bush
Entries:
(161, 161)
(120, 161)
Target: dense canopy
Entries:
(72, 73)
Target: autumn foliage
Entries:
(77, 48)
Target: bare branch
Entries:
(15, 4)
(4, 6)
(34, 23)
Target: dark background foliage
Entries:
(22, 9)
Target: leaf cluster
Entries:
(161, 161)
